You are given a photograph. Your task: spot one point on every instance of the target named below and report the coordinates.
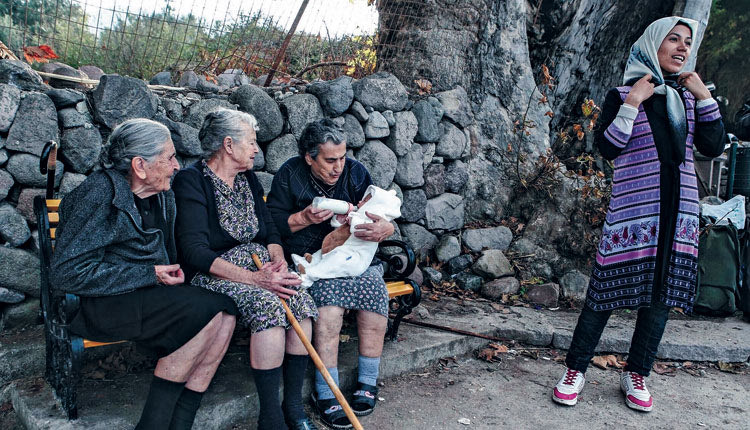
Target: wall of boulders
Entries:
(418, 145)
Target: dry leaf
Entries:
(602, 361)
(493, 351)
(550, 114)
(344, 338)
(40, 54)
(497, 306)
(663, 368)
(423, 85)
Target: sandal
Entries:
(331, 413)
(364, 399)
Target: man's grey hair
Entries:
(319, 133)
(139, 137)
(222, 123)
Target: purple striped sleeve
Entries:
(709, 112)
(616, 136)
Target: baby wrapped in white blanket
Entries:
(354, 256)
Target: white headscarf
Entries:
(643, 59)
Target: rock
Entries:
(10, 98)
(389, 118)
(24, 314)
(376, 127)
(13, 228)
(185, 139)
(448, 248)
(63, 98)
(428, 122)
(428, 153)
(10, 296)
(381, 91)
(173, 108)
(334, 96)
(188, 79)
(20, 271)
(432, 275)
(206, 86)
(469, 282)
(260, 160)
(413, 205)
(80, 148)
(3, 158)
(492, 264)
(420, 240)
(452, 141)
(437, 105)
(416, 276)
(456, 176)
(197, 111)
(402, 134)
(445, 212)
(434, 180)
(72, 117)
(70, 72)
(380, 161)
(21, 75)
(422, 311)
(395, 187)
(120, 98)
(6, 183)
(544, 294)
(355, 136)
(70, 181)
(161, 78)
(495, 289)
(460, 263)
(25, 204)
(493, 238)
(25, 170)
(92, 72)
(574, 285)
(301, 109)
(265, 181)
(359, 111)
(35, 124)
(233, 78)
(409, 170)
(456, 106)
(280, 150)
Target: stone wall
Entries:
(415, 144)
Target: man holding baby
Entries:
(323, 170)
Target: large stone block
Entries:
(420, 240)
(25, 170)
(65, 97)
(380, 162)
(456, 106)
(381, 91)
(492, 238)
(80, 148)
(410, 171)
(197, 111)
(35, 124)
(6, 183)
(255, 101)
(10, 98)
(493, 264)
(452, 141)
(445, 212)
(495, 289)
(280, 150)
(120, 98)
(448, 248)
(574, 285)
(545, 294)
(456, 176)
(376, 127)
(428, 120)
(19, 271)
(301, 109)
(402, 134)
(334, 96)
(21, 75)
(434, 180)
(13, 228)
(413, 205)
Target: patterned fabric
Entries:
(365, 292)
(623, 274)
(260, 309)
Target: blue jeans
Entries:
(649, 328)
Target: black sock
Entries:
(294, 375)
(162, 397)
(267, 384)
(185, 409)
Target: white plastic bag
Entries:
(733, 209)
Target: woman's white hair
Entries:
(222, 123)
(139, 137)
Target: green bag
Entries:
(718, 270)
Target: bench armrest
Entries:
(399, 265)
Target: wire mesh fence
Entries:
(307, 38)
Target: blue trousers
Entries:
(649, 328)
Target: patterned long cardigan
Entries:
(623, 274)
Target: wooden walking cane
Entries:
(316, 358)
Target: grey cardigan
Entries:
(101, 249)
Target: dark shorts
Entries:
(161, 318)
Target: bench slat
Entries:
(92, 344)
(54, 217)
(53, 205)
(398, 288)
(52, 233)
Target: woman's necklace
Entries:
(321, 188)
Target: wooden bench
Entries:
(65, 350)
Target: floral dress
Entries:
(260, 309)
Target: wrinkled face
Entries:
(329, 163)
(159, 172)
(675, 49)
(244, 149)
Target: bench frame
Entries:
(65, 350)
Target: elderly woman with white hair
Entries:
(222, 221)
(115, 249)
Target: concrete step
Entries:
(232, 399)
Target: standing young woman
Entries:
(647, 257)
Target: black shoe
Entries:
(331, 413)
(303, 424)
(364, 399)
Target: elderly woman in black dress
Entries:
(115, 249)
(222, 221)
(322, 169)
